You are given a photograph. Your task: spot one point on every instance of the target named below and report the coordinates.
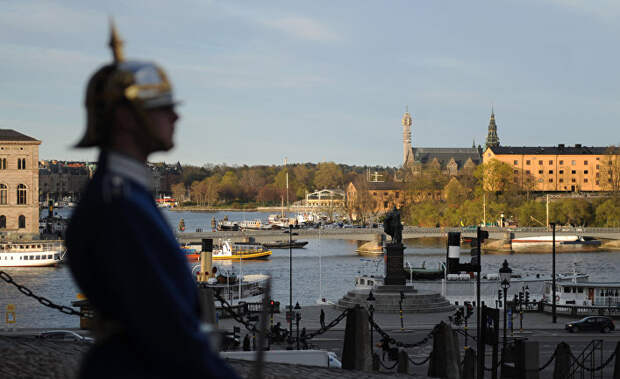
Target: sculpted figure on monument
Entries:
(393, 227)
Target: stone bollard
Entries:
(562, 361)
(469, 364)
(528, 361)
(444, 362)
(356, 353)
(617, 363)
(403, 362)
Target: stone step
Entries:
(443, 306)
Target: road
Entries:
(548, 340)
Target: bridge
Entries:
(369, 234)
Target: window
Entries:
(385, 204)
(527, 172)
(4, 191)
(374, 194)
(598, 166)
(527, 162)
(598, 174)
(516, 172)
(550, 180)
(573, 163)
(561, 162)
(550, 162)
(21, 163)
(21, 222)
(2, 222)
(516, 163)
(573, 180)
(561, 180)
(21, 194)
(597, 182)
(585, 163)
(397, 194)
(573, 172)
(25, 257)
(540, 162)
(585, 171)
(585, 180)
(551, 171)
(2, 163)
(561, 172)
(540, 171)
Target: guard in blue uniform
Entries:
(121, 251)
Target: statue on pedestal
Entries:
(393, 227)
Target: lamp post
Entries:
(505, 273)
(290, 284)
(553, 309)
(297, 319)
(400, 304)
(371, 309)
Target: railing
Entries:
(582, 310)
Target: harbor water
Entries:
(324, 268)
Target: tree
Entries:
(455, 193)
(610, 176)
(328, 175)
(577, 212)
(608, 213)
(362, 206)
(179, 191)
(495, 176)
(229, 189)
(532, 213)
(268, 194)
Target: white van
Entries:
(319, 358)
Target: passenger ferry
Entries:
(240, 251)
(588, 294)
(191, 251)
(30, 254)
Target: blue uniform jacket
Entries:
(125, 258)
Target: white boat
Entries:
(30, 254)
(251, 225)
(278, 221)
(240, 251)
(570, 243)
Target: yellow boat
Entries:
(240, 251)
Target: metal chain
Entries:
(386, 367)
(398, 343)
(228, 308)
(549, 361)
(43, 300)
(596, 368)
(333, 323)
(422, 362)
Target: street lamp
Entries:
(400, 304)
(297, 319)
(505, 273)
(290, 284)
(553, 304)
(371, 308)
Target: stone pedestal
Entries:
(394, 272)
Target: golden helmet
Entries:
(143, 85)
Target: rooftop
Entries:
(550, 150)
(13, 136)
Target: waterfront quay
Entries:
(369, 234)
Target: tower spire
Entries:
(116, 43)
(406, 122)
(492, 138)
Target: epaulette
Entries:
(114, 187)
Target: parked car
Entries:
(592, 323)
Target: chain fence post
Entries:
(562, 361)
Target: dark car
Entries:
(592, 323)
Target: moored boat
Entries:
(30, 254)
(285, 244)
(425, 273)
(544, 244)
(240, 251)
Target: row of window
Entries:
(21, 222)
(21, 163)
(561, 162)
(31, 257)
(561, 172)
(21, 191)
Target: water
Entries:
(339, 262)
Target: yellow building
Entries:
(19, 184)
(557, 168)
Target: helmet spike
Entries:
(116, 44)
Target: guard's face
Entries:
(161, 124)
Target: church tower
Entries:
(492, 138)
(406, 121)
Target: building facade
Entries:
(19, 184)
(557, 168)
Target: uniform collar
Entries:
(128, 168)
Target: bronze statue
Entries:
(393, 227)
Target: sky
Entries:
(319, 81)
